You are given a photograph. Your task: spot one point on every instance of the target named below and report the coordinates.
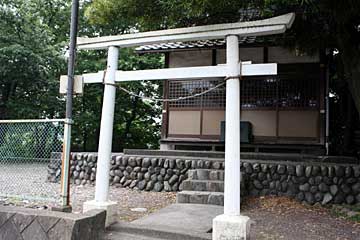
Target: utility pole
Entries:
(65, 166)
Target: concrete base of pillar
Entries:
(110, 208)
(231, 228)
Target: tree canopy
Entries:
(33, 41)
(27, 71)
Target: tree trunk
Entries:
(350, 59)
(131, 119)
(352, 76)
(85, 136)
(2, 112)
(349, 125)
(349, 50)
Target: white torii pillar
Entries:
(101, 200)
(231, 225)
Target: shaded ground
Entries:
(274, 217)
(133, 204)
(283, 218)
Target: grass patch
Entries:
(350, 212)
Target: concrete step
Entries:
(203, 185)
(127, 236)
(200, 197)
(206, 174)
(131, 231)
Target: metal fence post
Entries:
(65, 184)
(65, 167)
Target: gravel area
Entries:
(29, 180)
(133, 204)
(26, 185)
(274, 217)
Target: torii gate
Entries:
(230, 225)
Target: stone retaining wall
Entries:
(143, 173)
(29, 224)
(309, 182)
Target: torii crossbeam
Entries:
(230, 225)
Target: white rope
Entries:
(172, 99)
(166, 99)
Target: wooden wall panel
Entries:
(254, 54)
(184, 122)
(263, 122)
(299, 124)
(220, 56)
(211, 122)
(190, 58)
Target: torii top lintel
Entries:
(275, 25)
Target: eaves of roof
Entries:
(249, 41)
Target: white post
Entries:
(105, 142)
(232, 130)
(231, 225)
(106, 128)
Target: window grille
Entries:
(297, 93)
(299, 86)
(295, 87)
(213, 99)
(259, 93)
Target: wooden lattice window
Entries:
(299, 87)
(295, 87)
(213, 99)
(259, 93)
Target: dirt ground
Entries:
(284, 218)
(273, 217)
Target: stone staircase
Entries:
(203, 186)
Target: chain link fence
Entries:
(28, 150)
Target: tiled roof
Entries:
(197, 44)
(247, 14)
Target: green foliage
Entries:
(30, 62)
(162, 14)
(136, 122)
(349, 212)
(33, 37)
(30, 141)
